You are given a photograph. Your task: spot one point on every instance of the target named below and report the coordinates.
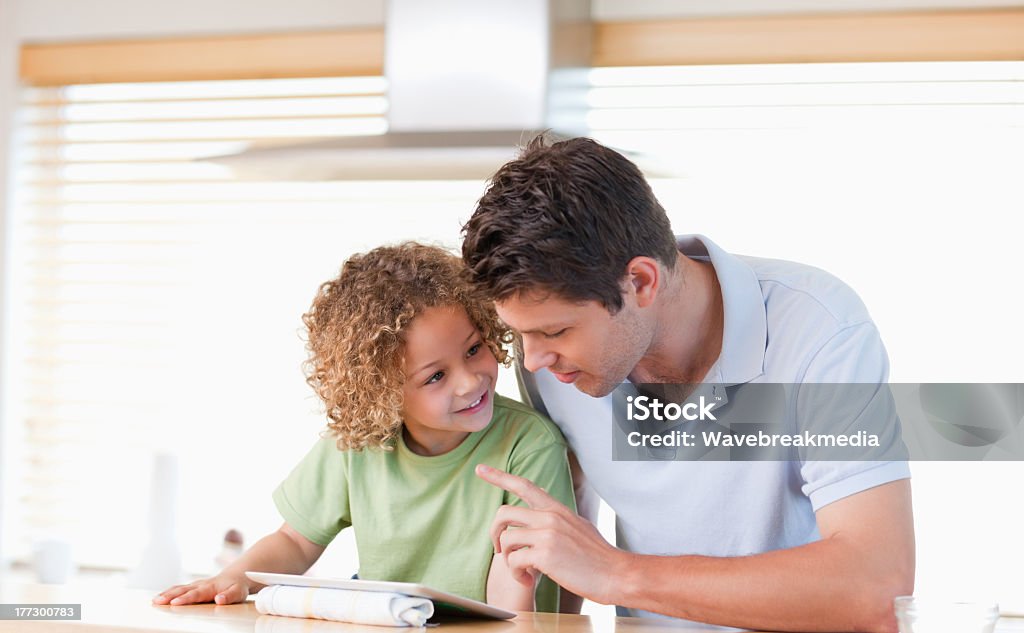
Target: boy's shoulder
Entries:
(516, 418)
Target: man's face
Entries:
(580, 343)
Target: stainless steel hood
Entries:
(468, 82)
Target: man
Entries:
(580, 258)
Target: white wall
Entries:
(8, 79)
(621, 10)
(59, 20)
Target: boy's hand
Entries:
(219, 589)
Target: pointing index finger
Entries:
(525, 489)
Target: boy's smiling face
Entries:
(450, 374)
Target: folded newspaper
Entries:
(344, 605)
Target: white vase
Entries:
(160, 564)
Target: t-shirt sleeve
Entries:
(314, 498)
(545, 464)
(845, 387)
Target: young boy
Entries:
(404, 354)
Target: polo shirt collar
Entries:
(746, 322)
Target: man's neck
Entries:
(688, 337)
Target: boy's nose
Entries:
(470, 383)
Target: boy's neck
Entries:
(436, 444)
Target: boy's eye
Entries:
(437, 376)
(555, 334)
(473, 350)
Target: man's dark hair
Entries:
(565, 218)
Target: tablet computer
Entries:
(445, 603)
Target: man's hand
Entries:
(549, 538)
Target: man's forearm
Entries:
(843, 582)
(828, 585)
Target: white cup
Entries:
(52, 561)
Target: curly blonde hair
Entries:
(355, 335)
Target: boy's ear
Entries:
(644, 275)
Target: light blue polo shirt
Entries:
(784, 323)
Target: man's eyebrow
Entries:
(472, 334)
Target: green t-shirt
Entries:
(426, 519)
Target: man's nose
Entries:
(536, 357)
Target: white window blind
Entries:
(155, 300)
(919, 163)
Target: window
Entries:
(846, 166)
(156, 301)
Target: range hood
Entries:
(468, 81)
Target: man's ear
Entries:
(644, 275)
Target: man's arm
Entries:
(844, 582)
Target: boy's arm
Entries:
(284, 552)
(587, 501)
(504, 591)
(587, 504)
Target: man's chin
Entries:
(593, 387)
